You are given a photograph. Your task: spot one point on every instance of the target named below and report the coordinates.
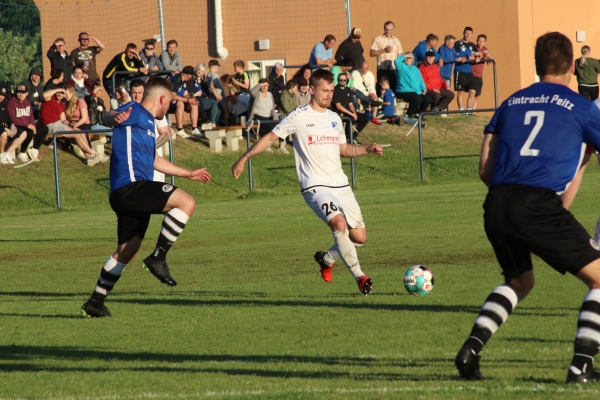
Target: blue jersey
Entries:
(133, 149)
(388, 97)
(541, 132)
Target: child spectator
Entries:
(288, 101)
(241, 79)
(5, 133)
(389, 99)
(21, 115)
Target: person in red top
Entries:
(53, 116)
(478, 68)
(436, 86)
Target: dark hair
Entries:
(173, 41)
(300, 73)
(136, 83)
(449, 37)
(131, 46)
(78, 66)
(291, 84)
(481, 36)
(388, 23)
(467, 28)
(553, 54)
(320, 75)
(97, 83)
(346, 62)
(55, 73)
(431, 37)
(82, 33)
(263, 80)
(329, 38)
(226, 79)
(157, 81)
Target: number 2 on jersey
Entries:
(526, 150)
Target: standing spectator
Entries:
(436, 87)
(59, 58)
(586, 71)
(241, 80)
(463, 72)
(85, 55)
(5, 132)
(150, 59)
(364, 88)
(21, 115)
(351, 48)
(302, 94)
(136, 90)
(263, 109)
(170, 58)
(410, 86)
(276, 82)
(57, 78)
(35, 90)
(304, 72)
(288, 100)
(483, 55)
(201, 92)
(216, 88)
(341, 103)
(425, 46)
(83, 86)
(450, 56)
(127, 61)
(386, 48)
(184, 101)
(322, 52)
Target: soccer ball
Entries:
(418, 280)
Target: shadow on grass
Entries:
(57, 316)
(69, 240)
(36, 198)
(536, 340)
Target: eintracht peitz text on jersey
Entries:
(556, 99)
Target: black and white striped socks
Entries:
(109, 275)
(172, 226)
(587, 339)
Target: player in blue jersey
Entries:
(134, 196)
(532, 150)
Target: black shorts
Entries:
(520, 220)
(477, 85)
(463, 82)
(172, 107)
(135, 203)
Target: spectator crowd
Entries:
(428, 78)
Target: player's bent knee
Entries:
(337, 223)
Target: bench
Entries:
(98, 140)
(232, 135)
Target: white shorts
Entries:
(328, 202)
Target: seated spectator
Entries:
(201, 92)
(136, 90)
(96, 108)
(351, 48)
(35, 90)
(427, 45)
(170, 58)
(302, 94)
(343, 68)
(342, 104)
(85, 55)
(6, 134)
(215, 89)
(276, 82)
(363, 87)
(52, 115)
(59, 58)
(183, 101)
(288, 101)
(322, 52)
(149, 58)
(127, 61)
(263, 109)
(304, 72)
(241, 79)
(238, 105)
(441, 97)
(410, 86)
(57, 78)
(82, 86)
(21, 115)
(388, 104)
(449, 57)
(76, 111)
(121, 97)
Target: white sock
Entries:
(333, 254)
(347, 252)
(461, 108)
(113, 266)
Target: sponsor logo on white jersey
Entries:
(322, 139)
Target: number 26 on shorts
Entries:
(328, 208)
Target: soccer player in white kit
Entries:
(319, 143)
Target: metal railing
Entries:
(134, 75)
(420, 126)
(107, 132)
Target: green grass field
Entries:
(251, 317)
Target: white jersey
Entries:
(317, 146)
(158, 125)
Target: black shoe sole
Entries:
(169, 281)
(366, 290)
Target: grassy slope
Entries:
(251, 316)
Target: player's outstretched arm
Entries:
(488, 157)
(166, 167)
(352, 150)
(113, 118)
(257, 148)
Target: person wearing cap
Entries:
(5, 132)
(85, 55)
(436, 86)
(410, 86)
(149, 58)
(35, 90)
(427, 45)
(351, 48)
(21, 115)
(183, 100)
(322, 52)
(302, 94)
(386, 48)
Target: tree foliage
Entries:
(19, 54)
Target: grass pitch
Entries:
(251, 317)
